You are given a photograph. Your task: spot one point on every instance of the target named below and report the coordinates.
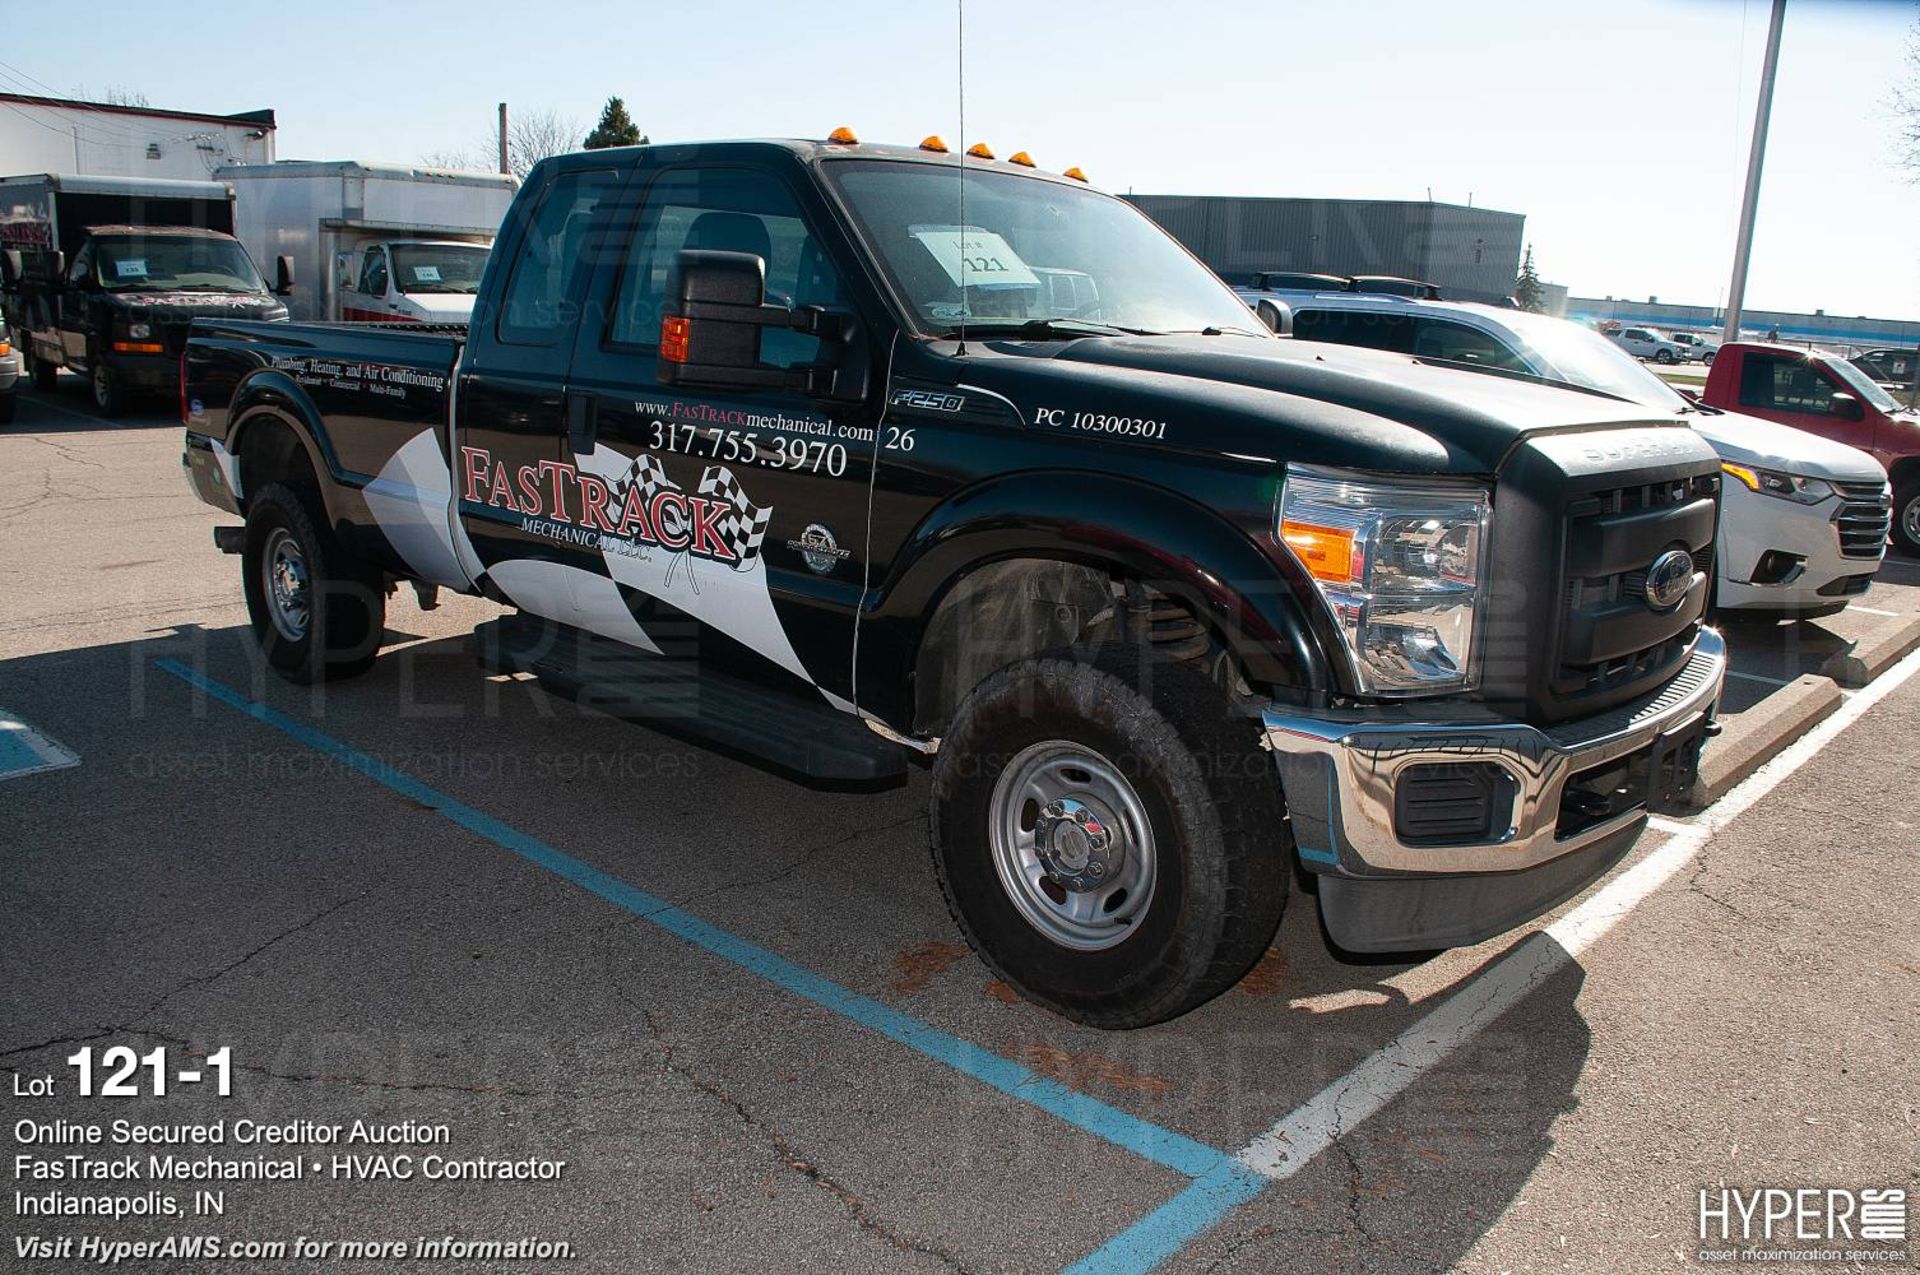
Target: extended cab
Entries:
(103, 275)
(1826, 395)
(766, 444)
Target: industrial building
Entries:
(1818, 328)
(1472, 253)
(100, 139)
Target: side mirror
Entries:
(10, 267)
(716, 313)
(1846, 407)
(59, 264)
(283, 276)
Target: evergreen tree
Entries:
(1527, 291)
(616, 128)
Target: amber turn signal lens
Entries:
(980, 150)
(1326, 552)
(1745, 475)
(675, 333)
(139, 347)
(934, 142)
(844, 136)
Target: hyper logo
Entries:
(645, 506)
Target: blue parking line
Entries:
(1168, 1229)
(1162, 1146)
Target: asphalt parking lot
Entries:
(740, 1011)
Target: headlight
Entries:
(274, 315)
(1399, 565)
(1805, 491)
(139, 331)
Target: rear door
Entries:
(738, 517)
(514, 486)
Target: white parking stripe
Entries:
(1756, 677)
(1289, 1145)
(40, 400)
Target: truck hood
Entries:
(1302, 401)
(442, 307)
(1749, 440)
(225, 305)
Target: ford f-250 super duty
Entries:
(771, 445)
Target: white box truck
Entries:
(372, 242)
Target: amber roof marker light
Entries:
(934, 142)
(980, 150)
(1021, 158)
(844, 136)
(1075, 173)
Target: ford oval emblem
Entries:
(1668, 579)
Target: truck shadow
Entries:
(839, 883)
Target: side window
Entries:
(1458, 343)
(82, 266)
(373, 277)
(1355, 327)
(554, 255)
(1784, 385)
(734, 210)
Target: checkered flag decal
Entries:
(646, 476)
(745, 526)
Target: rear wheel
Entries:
(1906, 518)
(1109, 836)
(317, 613)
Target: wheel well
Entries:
(1905, 470)
(1014, 609)
(270, 451)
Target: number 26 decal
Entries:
(899, 440)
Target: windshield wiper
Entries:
(1050, 329)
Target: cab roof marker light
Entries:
(1075, 173)
(844, 136)
(1021, 158)
(980, 150)
(933, 142)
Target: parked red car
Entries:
(1828, 396)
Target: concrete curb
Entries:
(1753, 738)
(1874, 655)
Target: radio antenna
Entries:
(960, 66)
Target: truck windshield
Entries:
(439, 267)
(1861, 384)
(175, 263)
(1583, 357)
(1032, 253)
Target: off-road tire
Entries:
(346, 600)
(1222, 848)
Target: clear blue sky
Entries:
(1619, 128)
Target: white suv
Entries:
(1780, 551)
(1645, 343)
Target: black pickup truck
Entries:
(768, 444)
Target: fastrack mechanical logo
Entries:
(718, 522)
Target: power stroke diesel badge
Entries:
(818, 549)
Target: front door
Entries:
(513, 483)
(736, 526)
(365, 298)
(1798, 392)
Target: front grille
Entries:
(1611, 639)
(1863, 519)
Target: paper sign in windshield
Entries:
(981, 256)
(131, 268)
(426, 274)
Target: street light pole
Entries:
(1743, 249)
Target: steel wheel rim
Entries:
(283, 570)
(1072, 845)
(102, 387)
(1910, 520)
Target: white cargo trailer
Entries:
(371, 241)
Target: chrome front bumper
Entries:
(1340, 776)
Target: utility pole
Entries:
(505, 167)
(1763, 113)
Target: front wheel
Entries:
(45, 375)
(109, 393)
(1663, 356)
(6, 406)
(1906, 518)
(317, 613)
(1109, 836)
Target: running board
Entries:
(814, 743)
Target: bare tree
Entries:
(531, 137)
(117, 96)
(1906, 107)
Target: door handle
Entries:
(582, 422)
